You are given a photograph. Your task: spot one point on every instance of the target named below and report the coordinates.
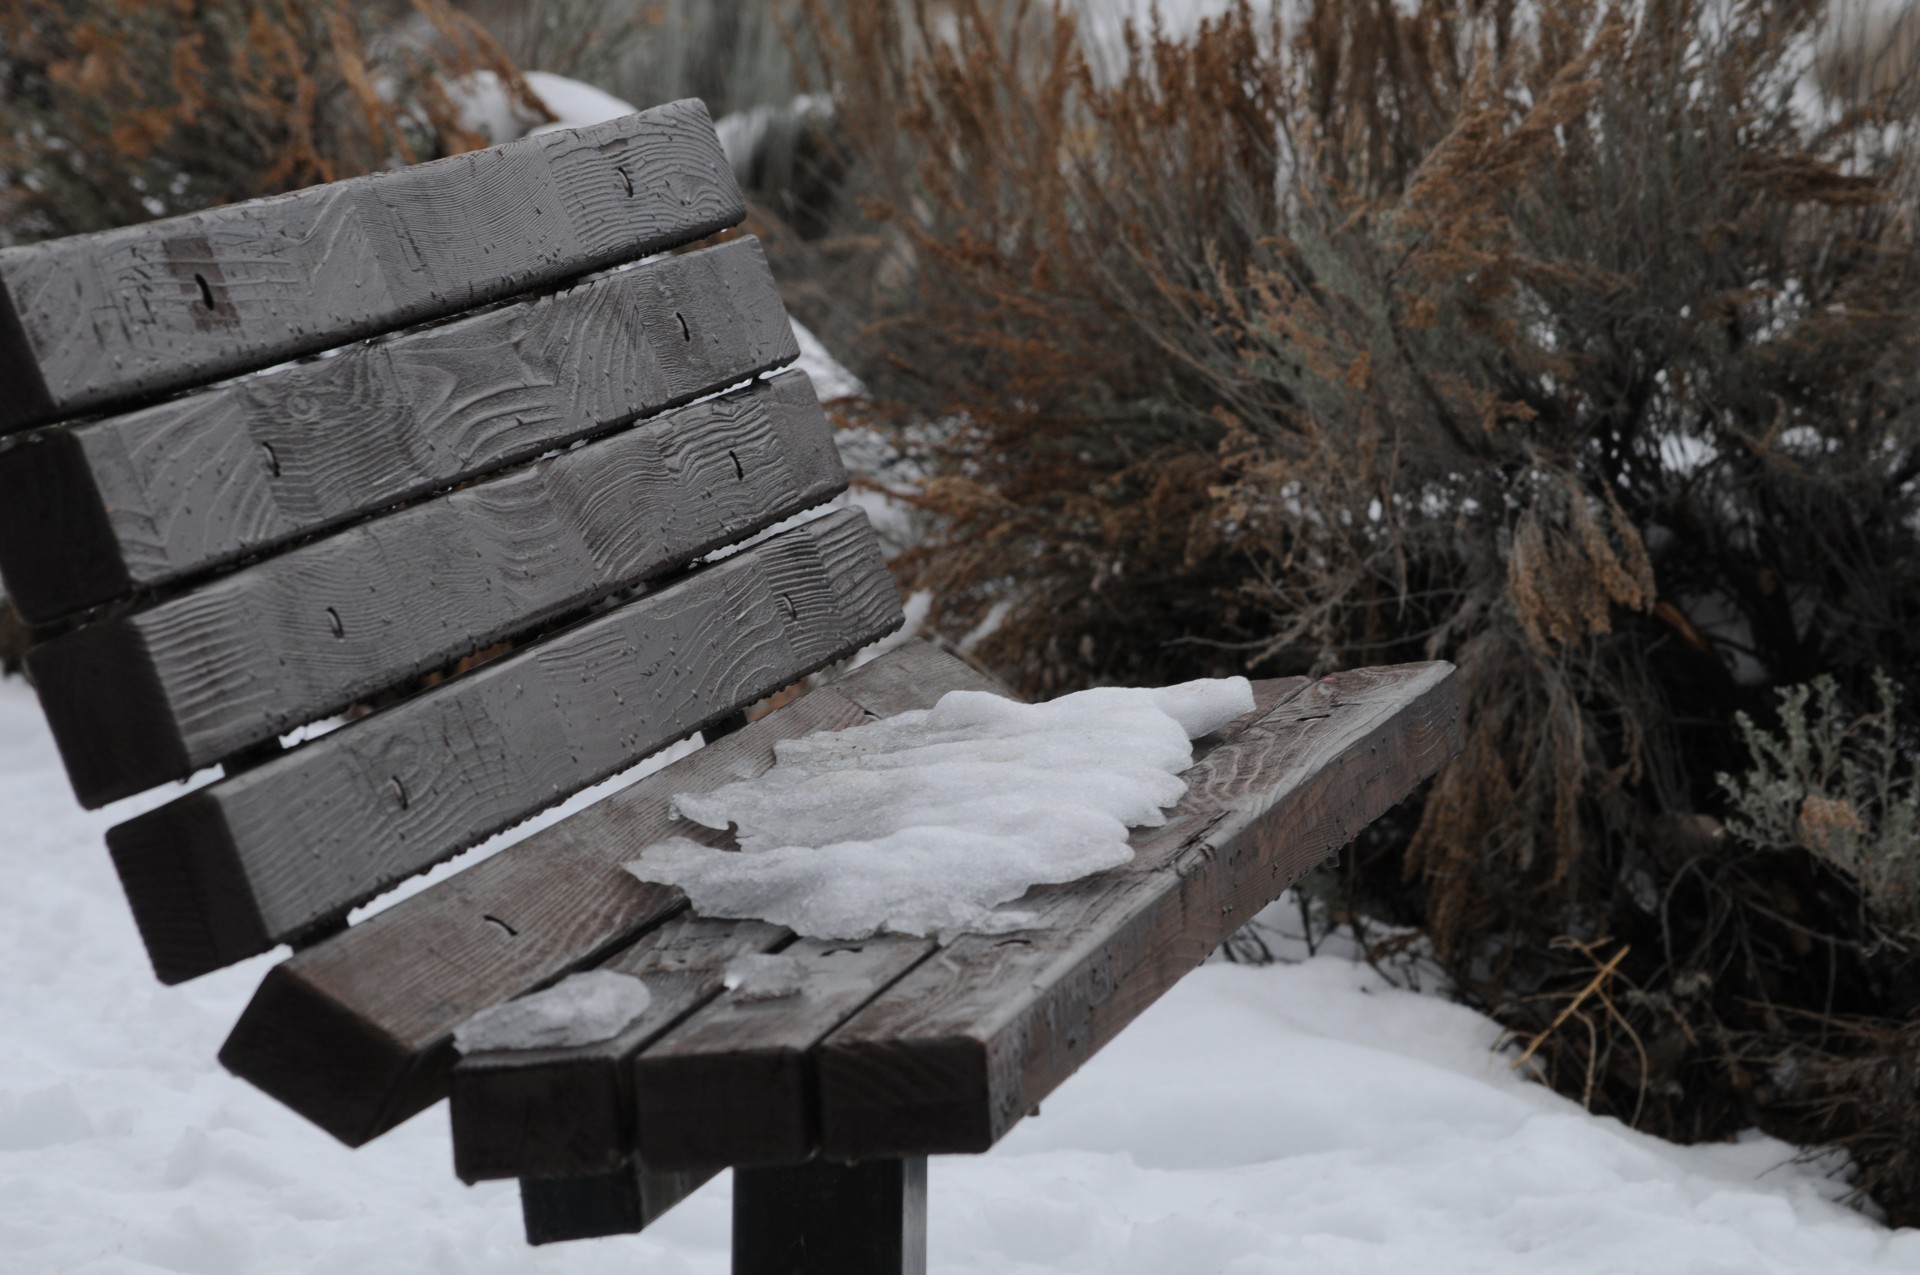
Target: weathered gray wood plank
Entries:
(621, 1201)
(733, 1085)
(355, 1032)
(264, 856)
(550, 1113)
(302, 636)
(960, 1050)
(174, 490)
(98, 319)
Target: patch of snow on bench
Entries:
(761, 976)
(578, 1010)
(925, 823)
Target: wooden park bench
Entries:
(458, 441)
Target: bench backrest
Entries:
(220, 547)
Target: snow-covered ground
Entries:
(1303, 1117)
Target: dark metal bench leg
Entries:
(831, 1219)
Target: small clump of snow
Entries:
(578, 1010)
(764, 976)
(830, 377)
(574, 104)
(485, 105)
(744, 133)
(927, 822)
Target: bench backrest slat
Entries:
(264, 856)
(306, 634)
(100, 319)
(138, 500)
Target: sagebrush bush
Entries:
(114, 112)
(119, 111)
(1575, 343)
(1842, 786)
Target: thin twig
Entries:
(1606, 970)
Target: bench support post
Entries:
(831, 1219)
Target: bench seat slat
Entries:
(355, 1032)
(263, 856)
(734, 1075)
(250, 656)
(177, 489)
(97, 319)
(551, 1106)
(734, 1084)
(951, 1057)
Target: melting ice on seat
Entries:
(927, 822)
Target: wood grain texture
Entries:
(304, 635)
(955, 1054)
(734, 1084)
(140, 500)
(621, 1201)
(560, 1113)
(355, 1032)
(99, 319)
(330, 824)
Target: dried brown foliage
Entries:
(117, 111)
(1567, 343)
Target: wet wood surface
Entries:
(95, 320)
(541, 1113)
(945, 1052)
(264, 856)
(956, 1053)
(308, 633)
(734, 1084)
(570, 1112)
(177, 489)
